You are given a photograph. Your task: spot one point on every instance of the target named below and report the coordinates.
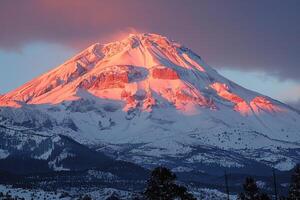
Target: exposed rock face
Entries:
(9, 103)
(260, 104)
(223, 91)
(148, 103)
(112, 77)
(164, 73)
(111, 80)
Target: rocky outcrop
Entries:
(164, 73)
(223, 91)
(105, 81)
(260, 103)
(111, 80)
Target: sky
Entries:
(255, 43)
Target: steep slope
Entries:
(23, 151)
(151, 100)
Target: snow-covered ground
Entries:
(29, 194)
(211, 194)
(99, 194)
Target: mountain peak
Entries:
(143, 70)
(152, 37)
(139, 40)
(146, 36)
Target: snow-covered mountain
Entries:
(149, 100)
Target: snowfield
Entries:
(20, 193)
(104, 193)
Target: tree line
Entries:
(162, 186)
(252, 192)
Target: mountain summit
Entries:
(149, 97)
(143, 70)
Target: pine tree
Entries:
(264, 196)
(113, 197)
(251, 191)
(86, 197)
(162, 186)
(226, 185)
(294, 191)
(275, 184)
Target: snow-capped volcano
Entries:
(147, 96)
(136, 69)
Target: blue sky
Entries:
(22, 65)
(265, 84)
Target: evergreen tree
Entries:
(113, 197)
(251, 191)
(162, 186)
(264, 196)
(86, 197)
(294, 191)
(226, 185)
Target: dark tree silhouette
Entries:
(294, 190)
(86, 197)
(162, 186)
(226, 185)
(113, 197)
(264, 196)
(251, 191)
(275, 184)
